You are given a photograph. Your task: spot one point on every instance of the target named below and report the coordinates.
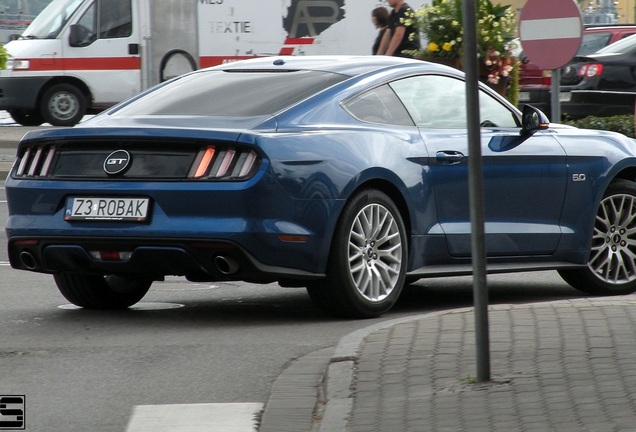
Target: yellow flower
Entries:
(447, 46)
(433, 47)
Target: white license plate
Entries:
(106, 208)
(565, 96)
(524, 96)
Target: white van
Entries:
(82, 56)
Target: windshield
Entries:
(49, 23)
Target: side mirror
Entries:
(532, 120)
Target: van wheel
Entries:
(367, 264)
(611, 269)
(27, 118)
(101, 292)
(63, 105)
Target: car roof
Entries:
(605, 27)
(341, 64)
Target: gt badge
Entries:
(117, 162)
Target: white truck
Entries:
(82, 56)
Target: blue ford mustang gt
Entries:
(344, 175)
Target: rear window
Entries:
(622, 46)
(593, 42)
(231, 93)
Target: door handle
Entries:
(450, 156)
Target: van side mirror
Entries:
(80, 36)
(532, 120)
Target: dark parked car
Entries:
(603, 83)
(345, 175)
(535, 83)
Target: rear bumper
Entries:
(198, 260)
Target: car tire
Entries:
(63, 105)
(367, 265)
(101, 292)
(27, 118)
(611, 269)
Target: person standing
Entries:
(380, 18)
(399, 37)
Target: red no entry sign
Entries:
(550, 32)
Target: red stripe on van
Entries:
(299, 41)
(94, 63)
(208, 61)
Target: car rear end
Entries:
(602, 84)
(113, 201)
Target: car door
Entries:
(524, 176)
(102, 49)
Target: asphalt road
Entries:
(11, 134)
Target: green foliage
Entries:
(623, 124)
(513, 88)
(3, 57)
(441, 24)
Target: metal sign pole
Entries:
(555, 90)
(476, 191)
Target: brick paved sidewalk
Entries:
(557, 366)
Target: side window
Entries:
(379, 105)
(493, 113)
(87, 27)
(115, 19)
(434, 101)
(439, 102)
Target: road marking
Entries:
(144, 306)
(217, 417)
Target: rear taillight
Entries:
(546, 77)
(225, 163)
(590, 70)
(36, 162)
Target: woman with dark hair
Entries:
(380, 18)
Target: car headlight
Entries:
(18, 64)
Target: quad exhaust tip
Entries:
(226, 265)
(28, 260)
